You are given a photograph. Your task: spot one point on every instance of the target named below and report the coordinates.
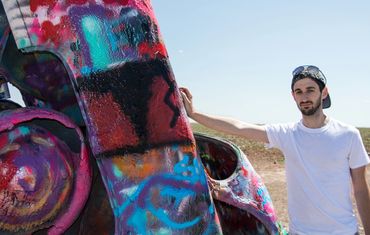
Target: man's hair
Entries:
(318, 82)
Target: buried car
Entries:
(103, 110)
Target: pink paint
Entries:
(82, 169)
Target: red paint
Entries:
(160, 116)
(3, 141)
(34, 4)
(113, 128)
(55, 33)
(154, 51)
(244, 171)
(120, 2)
(7, 172)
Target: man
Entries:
(322, 157)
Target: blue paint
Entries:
(211, 209)
(191, 171)
(19, 131)
(184, 171)
(110, 185)
(177, 193)
(85, 70)
(111, 38)
(94, 35)
(138, 221)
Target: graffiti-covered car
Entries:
(104, 145)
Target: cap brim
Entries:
(326, 103)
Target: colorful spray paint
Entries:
(138, 132)
(40, 76)
(44, 182)
(110, 53)
(242, 200)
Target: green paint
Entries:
(117, 172)
(94, 35)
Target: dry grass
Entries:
(269, 163)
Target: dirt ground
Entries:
(273, 175)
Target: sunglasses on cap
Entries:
(308, 71)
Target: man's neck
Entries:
(314, 121)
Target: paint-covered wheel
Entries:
(242, 201)
(45, 175)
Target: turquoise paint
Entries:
(94, 35)
(117, 172)
(23, 43)
(164, 231)
(24, 130)
(20, 131)
(34, 38)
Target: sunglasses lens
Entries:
(297, 71)
(313, 69)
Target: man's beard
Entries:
(311, 111)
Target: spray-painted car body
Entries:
(102, 65)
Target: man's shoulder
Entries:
(341, 126)
(282, 127)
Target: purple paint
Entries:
(40, 158)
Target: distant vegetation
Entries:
(365, 134)
(254, 148)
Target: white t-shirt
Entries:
(317, 163)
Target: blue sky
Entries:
(236, 56)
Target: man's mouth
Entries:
(306, 104)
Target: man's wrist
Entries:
(192, 115)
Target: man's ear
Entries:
(325, 92)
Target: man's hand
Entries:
(187, 99)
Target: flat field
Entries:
(269, 164)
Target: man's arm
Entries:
(223, 124)
(362, 196)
